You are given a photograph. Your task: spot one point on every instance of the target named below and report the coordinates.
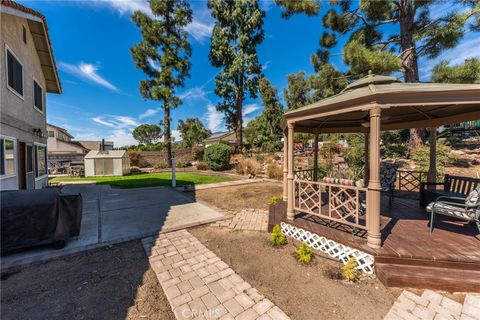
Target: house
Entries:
(27, 72)
(107, 163)
(62, 150)
(228, 137)
(96, 145)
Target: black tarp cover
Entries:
(33, 217)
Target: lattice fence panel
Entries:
(334, 249)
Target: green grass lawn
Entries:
(151, 179)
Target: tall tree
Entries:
(147, 133)
(272, 108)
(163, 55)
(237, 32)
(192, 132)
(468, 72)
(298, 91)
(371, 49)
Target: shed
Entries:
(107, 163)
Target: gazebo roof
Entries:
(404, 105)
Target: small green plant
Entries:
(350, 272)
(274, 200)
(304, 253)
(160, 165)
(277, 238)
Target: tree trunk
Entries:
(239, 125)
(166, 134)
(410, 60)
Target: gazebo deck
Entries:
(410, 255)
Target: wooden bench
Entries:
(453, 186)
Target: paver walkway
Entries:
(219, 184)
(247, 219)
(200, 285)
(432, 305)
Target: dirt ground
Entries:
(111, 283)
(251, 196)
(303, 292)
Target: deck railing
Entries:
(409, 180)
(304, 174)
(342, 204)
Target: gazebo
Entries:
(370, 105)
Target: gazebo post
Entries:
(366, 173)
(373, 193)
(285, 165)
(315, 157)
(432, 169)
(290, 175)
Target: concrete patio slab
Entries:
(116, 215)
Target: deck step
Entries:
(428, 277)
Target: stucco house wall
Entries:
(17, 115)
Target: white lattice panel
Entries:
(334, 249)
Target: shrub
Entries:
(160, 165)
(248, 166)
(202, 166)
(134, 158)
(277, 238)
(350, 272)
(304, 253)
(274, 200)
(181, 164)
(275, 171)
(217, 156)
(135, 170)
(445, 156)
(198, 153)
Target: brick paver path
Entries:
(247, 219)
(199, 285)
(432, 305)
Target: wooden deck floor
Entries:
(405, 234)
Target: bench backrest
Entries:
(463, 185)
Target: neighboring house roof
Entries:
(63, 130)
(111, 154)
(93, 145)
(219, 136)
(39, 30)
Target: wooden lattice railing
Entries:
(304, 174)
(342, 204)
(409, 180)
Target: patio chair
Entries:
(388, 176)
(464, 209)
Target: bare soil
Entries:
(111, 283)
(303, 292)
(236, 198)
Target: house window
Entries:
(24, 34)
(14, 74)
(37, 96)
(29, 158)
(7, 155)
(41, 161)
(51, 133)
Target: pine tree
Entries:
(192, 131)
(272, 109)
(370, 49)
(237, 32)
(163, 55)
(468, 72)
(298, 91)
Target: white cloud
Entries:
(194, 93)
(122, 137)
(149, 113)
(213, 118)
(468, 48)
(87, 71)
(154, 64)
(249, 108)
(200, 28)
(114, 121)
(266, 64)
(176, 135)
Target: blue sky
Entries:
(100, 99)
